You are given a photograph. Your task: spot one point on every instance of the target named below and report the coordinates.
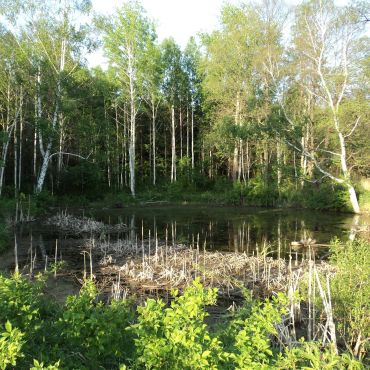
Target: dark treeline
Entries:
(245, 104)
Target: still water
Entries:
(230, 229)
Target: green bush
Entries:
(351, 295)
(4, 237)
(84, 178)
(311, 355)
(11, 342)
(40, 366)
(325, 197)
(86, 333)
(177, 337)
(94, 330)
(21, 303)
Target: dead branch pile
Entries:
(231, 273)
(80, 225)
(117, 251)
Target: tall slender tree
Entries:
(173, 75)
(126, 40)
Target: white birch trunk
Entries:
(154, 144)
(173, 146)
(187, 131)
(21, 124)
(132, 152)
(15, 149)
(9, 130)
(4, 155)
(46, 154)
(180, 123)
(278, 157)
(192, 137)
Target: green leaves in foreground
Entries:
(177, 337)
(11, 341)
(85, 333)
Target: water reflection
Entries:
(249, 231)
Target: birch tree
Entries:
(53, 47)
(8, 113)
(153, 97)
(126, 38)
(173, 75)
(327, 40)
(228, 84)
(192, 57)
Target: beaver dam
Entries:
(156, 268)
(150, 251)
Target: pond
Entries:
(232, 229)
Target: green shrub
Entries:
(311, 355)
(177, 337)
(95, 330)
(325, 197)
(4, 237)
(249, 336)
(364, 200)
(40, 366)
(83, 178)
(88, 334)
(20, 302)
(11, 342)
(351, 295)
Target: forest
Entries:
(197, 207)
(270, 116)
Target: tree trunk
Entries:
(9, 130)
(192, 137)
(235, 162)
(131, 73)
(173, 146)
(21, 125)
(61, 140)
(343, 161)
(125, 137)
(154, 144)
(4, 155)
(180, 123)
(46, 154)
(278, 159)
(187, 130)
(15, 150)
(132, 151)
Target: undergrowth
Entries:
(84, 333)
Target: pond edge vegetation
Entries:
(322, 325)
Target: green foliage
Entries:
(11, 342)
(310, 355)
(94, 332)
(81, 333)
(86, 333)
(351, 295)
(365, 201)
(83, 178)
(326, 197)
(252, 342)
(20, 303)
(6, 209)
(40, 366)
(177, 337)
(4, 237)
(44, 199)
(249, 335)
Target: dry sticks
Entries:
(230, 272)
(79, 225)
